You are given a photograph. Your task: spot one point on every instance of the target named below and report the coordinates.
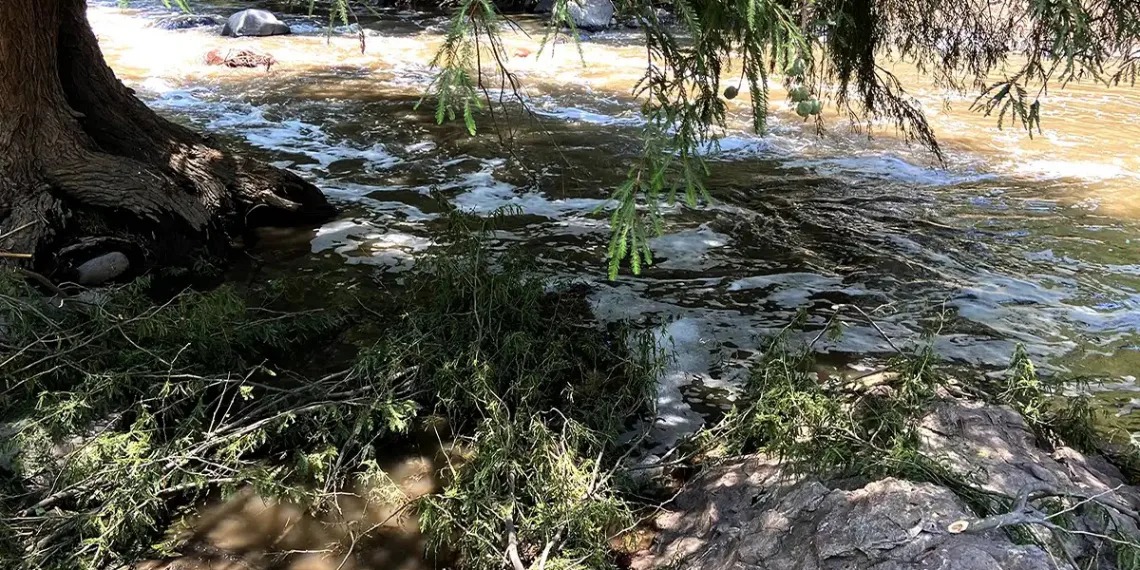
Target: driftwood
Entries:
(1024, 513)
(240, 58)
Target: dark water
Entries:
(1012, 242)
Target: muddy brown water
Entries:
(1012, 241)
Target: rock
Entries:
(566, 39)
(664, 17)
(996, 442)
(254, 22)
(588, 15)
(753, 514)
(186, 21)
(103, 268)
(239, 58)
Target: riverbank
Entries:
(1016, 241)
(1024, 507)
(481, 418)
(124, 413)
(334, 346)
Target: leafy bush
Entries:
(117, 412)
(538, 394)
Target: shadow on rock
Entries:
(751, 513)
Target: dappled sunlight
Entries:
(822, 345)
(366, 529)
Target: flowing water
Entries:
(1012, 241)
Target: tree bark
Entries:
(85, 167)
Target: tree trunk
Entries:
(85, 167)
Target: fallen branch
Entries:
(513, 544)
(1023, 513)
(240, 58)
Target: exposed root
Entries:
(30, 223)
(122, 184)
(94, 161)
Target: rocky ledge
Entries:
(752, 513)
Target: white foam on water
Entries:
(173, 98)
(157, 85)
(294, 136)
(687, 249)
(1076, 170)
(741, 147)
(421, 147)
(796, 289)
(483, 193)
(361, 242)
(411, 74)
(371, 196)
(287, 136)
(784, 280)
(885, 167)
(579, 115)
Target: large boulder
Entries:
(588, 15)
(754, 514)
(254, 22)
(186, 21)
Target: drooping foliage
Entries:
(834, 51)
(825, 52)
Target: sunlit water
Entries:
(1013, 240)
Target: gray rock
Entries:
(752, 514)
(591, 15)
(103, 268)
(996, 443)
(186, 21)
(588, 15)
(254, 22)
(664, 17)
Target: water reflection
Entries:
(1014, 240)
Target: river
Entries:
(1012, 240)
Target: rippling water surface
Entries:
(1011, 241)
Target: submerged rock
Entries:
(254, 22)
(588, 15)
(186, 21)
(753, 514)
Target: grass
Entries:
(855, 430)
(787, 411)
(118, 410)
(121, 412)
(539, 395)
